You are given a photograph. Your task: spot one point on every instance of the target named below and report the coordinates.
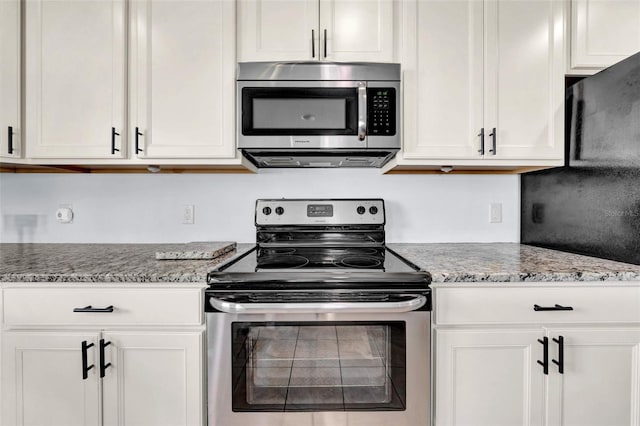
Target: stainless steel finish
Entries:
(319, 150)
(362, 110)
(319, 307)
(343, 212)
(418, 374)
(320, 157)
(318, 71)
(321, 144)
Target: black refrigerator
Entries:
(592, 205)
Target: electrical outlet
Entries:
(188, 214)
(496, 213)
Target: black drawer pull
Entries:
(10, 140)
(103, 366)
(113, 140)
(92, 309)
(560, 361)
(552, 308)
(138, 134)
(85, 367)
(545, 355)
(481, 134)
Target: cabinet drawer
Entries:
(501, 305)
(49, 306)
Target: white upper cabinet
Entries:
(603, 32)
(443, 79)
(277, 30)
(182, 79)
(75, 79)
(474, 66)
(328, 30)
(524, 97)
(10, 129)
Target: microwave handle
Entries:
(362, 111)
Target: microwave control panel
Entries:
(381, 111)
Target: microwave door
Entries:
(277, 115)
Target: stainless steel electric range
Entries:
(320, 323)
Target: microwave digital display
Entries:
(320, 210)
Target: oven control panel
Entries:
(369, 211)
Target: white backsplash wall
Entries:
(148, 208)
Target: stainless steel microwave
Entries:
(318, 114)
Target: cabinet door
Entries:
(183, 81)
(524, 84)
(10, 134)
(489, 378)
(278, 30)
(601, 380)
(603, 32)
(357, 30)
(154, 379)
(442, 78)
(42, 380)
(75, 70)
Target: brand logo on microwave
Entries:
(305, 141)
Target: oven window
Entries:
(299, 111)
(338, 366)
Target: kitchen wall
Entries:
(145, 208)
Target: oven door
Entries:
(301, 114)
(320, 364)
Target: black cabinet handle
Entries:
(560, 361)
(325, 42)
(103, 366)
(10, 140)
(545, 355)
(137, 144)
(313, 44)
(92, 309)
(113, 140)
(481, 134)
(85, 367)
(556, 307)
(493, 141)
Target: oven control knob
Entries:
(373, 210)
(361, 210)
(279, 210)
(266, 211)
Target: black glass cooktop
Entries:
(341, 266)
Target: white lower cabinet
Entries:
(601, 377)
(487, 377)
(497, 366)
(102, 368)
(42, 379)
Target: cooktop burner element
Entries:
(359, 262)
(281, 261)
(319, 244)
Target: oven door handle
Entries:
(318, 307)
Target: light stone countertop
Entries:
(511, 262)
(112, 263)
(447, 263)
